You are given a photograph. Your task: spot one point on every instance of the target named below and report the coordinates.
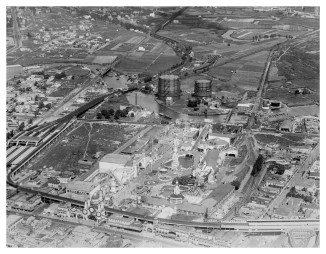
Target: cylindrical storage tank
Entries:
(203, 88)
(168, 86)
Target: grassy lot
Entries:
(283, 140)
(297, 64)
(290, 99)
(106, 138)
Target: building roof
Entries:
(27, 138)
(11, 219)
(286, 124)
(120, 159)
(82, 186)
(192, 207)
(211, 157)
(156, 201)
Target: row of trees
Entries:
(184, 180)
(107, 114)
(258, 165)
(266, 36)
(293, 193)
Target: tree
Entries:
(21, 126)
(41, 105)
(236, 184)
(8, 135)
(117, 115)
(48, 106)
(132, 114)
(111, 111)
(258, 165)
(98, 115)
(206, 213)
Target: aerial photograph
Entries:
(162, 126)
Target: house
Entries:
(54, 183)
(275, 183)
(286, 126)
(314, 175)
(155, 203)
(64, 178)
(12, 221)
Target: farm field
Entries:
(149, 62)
(298, 21)
(311, 110)
(282, 140)
(105, 138)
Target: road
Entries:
(16, 31)
(130, 141)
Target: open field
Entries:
(310, 110)
(298, 21)
(297, 64)
(290, 99)
(105, 138)
(152, 63)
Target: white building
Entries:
(83, 188)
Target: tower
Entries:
(176, 190)
(175, 157)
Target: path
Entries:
(130, 141)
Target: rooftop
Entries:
(11, 219)
(82, 186)
(120, 159)
(211, 157)
(27, 138)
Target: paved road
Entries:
(16, 31)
